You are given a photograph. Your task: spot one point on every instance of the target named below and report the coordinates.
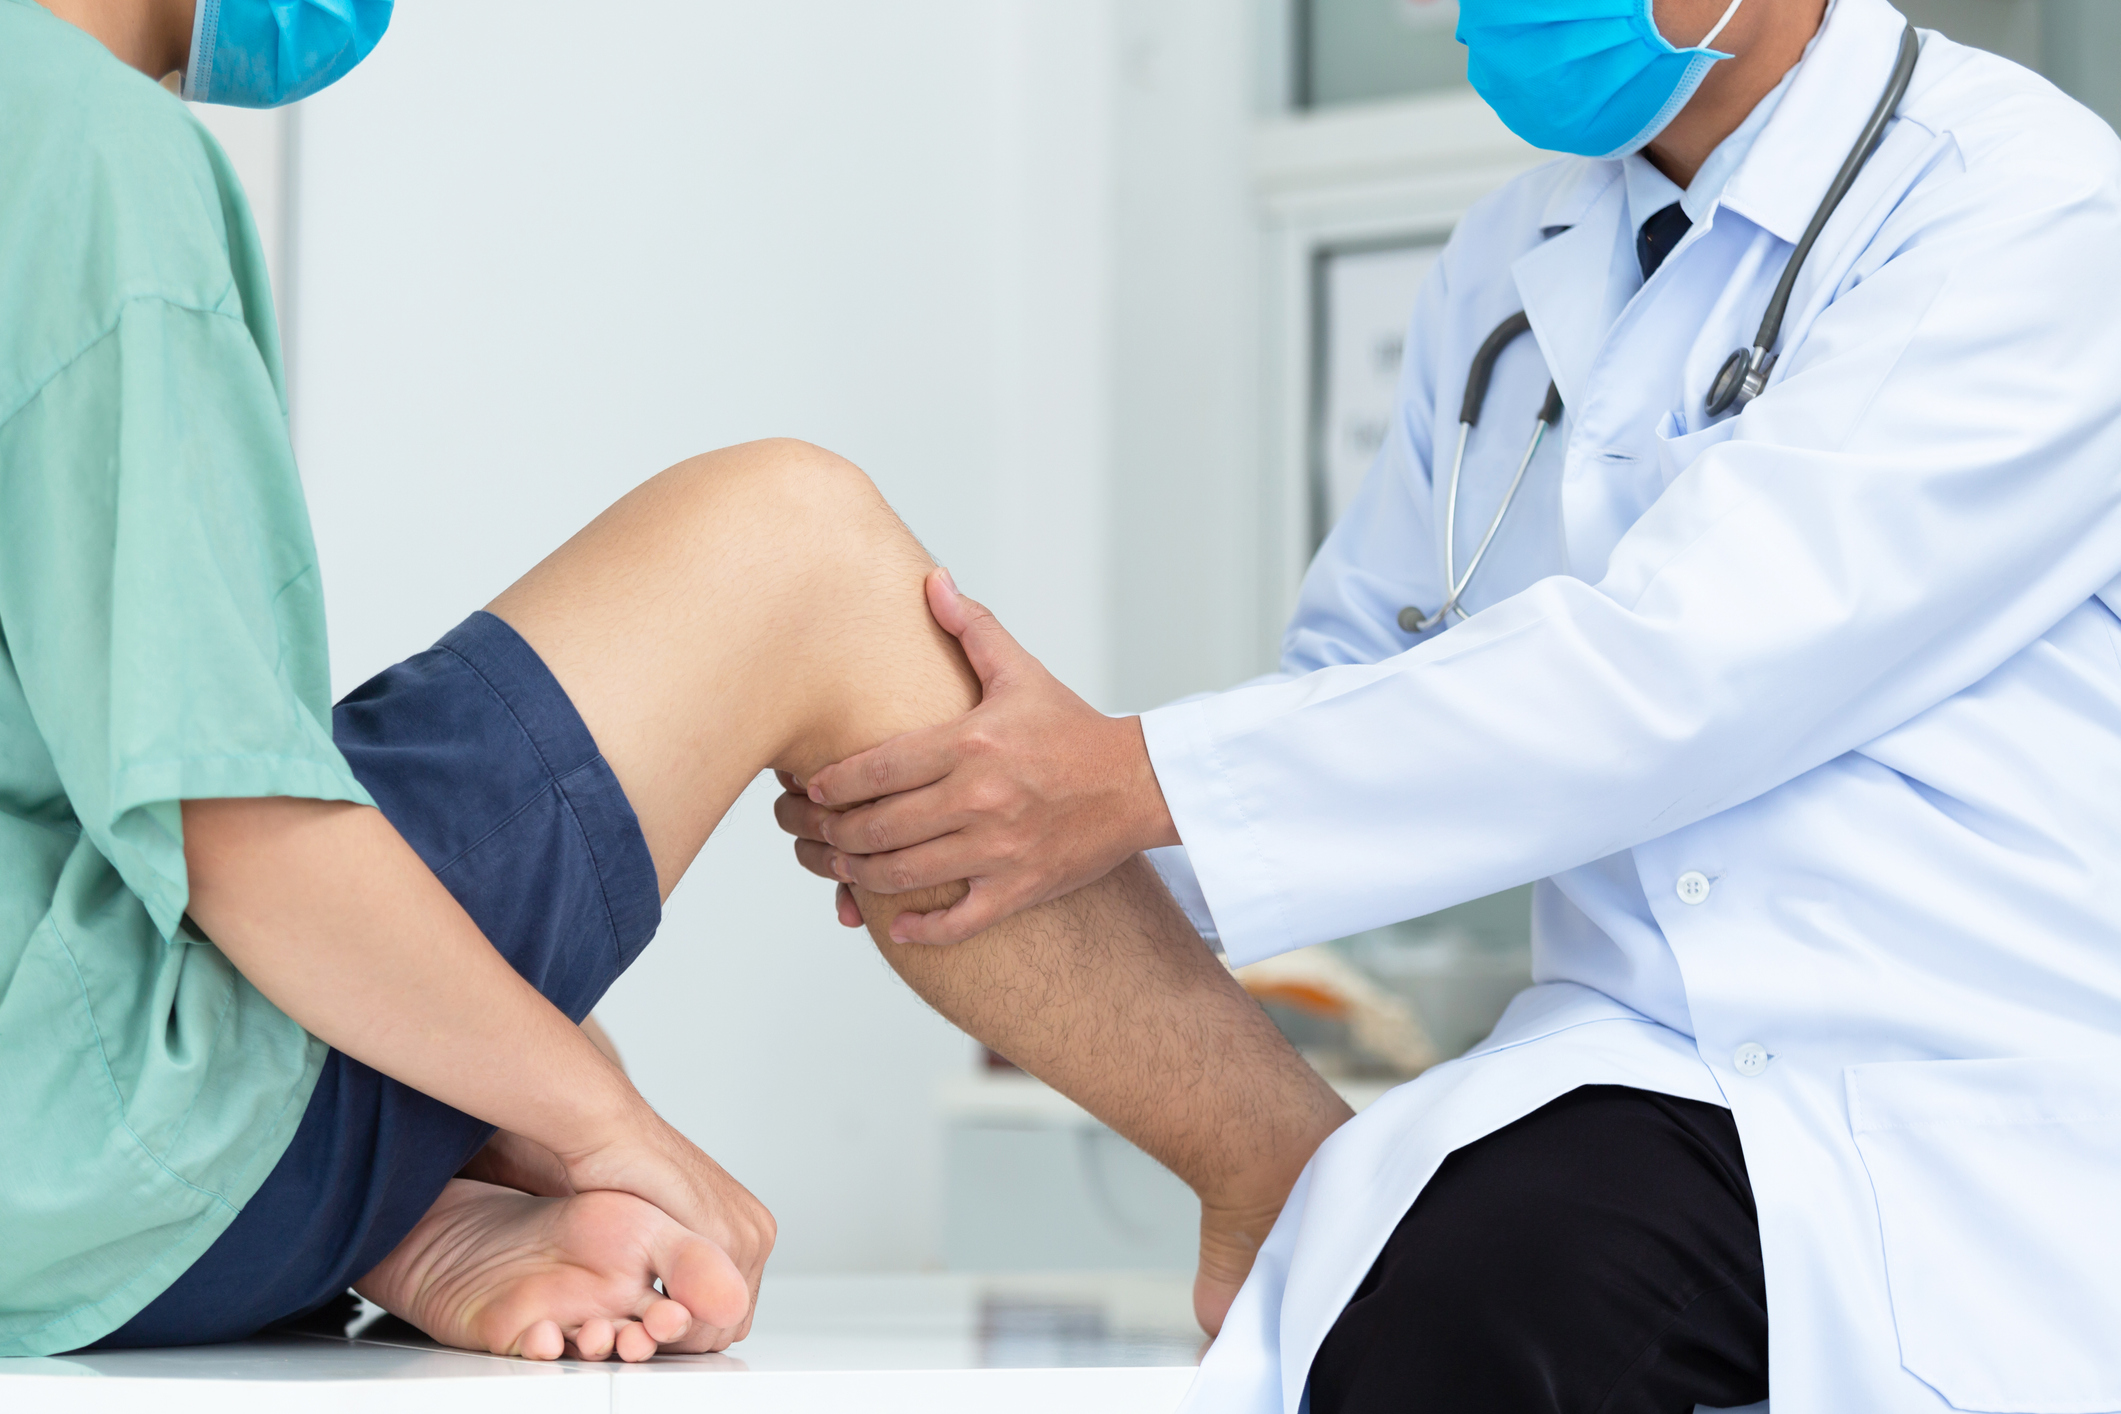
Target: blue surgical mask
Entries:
(263, 53)
(1593, 77)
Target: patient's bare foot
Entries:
(1236, 1218)
(1229, 1239)
(492, 1269)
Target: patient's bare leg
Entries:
(762, 607)
(1111, 997)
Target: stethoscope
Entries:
(1738, 382)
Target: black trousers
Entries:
(1600, 1254)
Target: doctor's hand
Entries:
(1030, 795)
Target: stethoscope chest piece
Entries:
(1740, 379)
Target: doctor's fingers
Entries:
(925, 866)
(817, 858)
(800, 816)
(980, 909)
(903, 763)
(902, 821)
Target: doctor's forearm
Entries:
(325, 909)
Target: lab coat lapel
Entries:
(1793, 162)
(1568, 282)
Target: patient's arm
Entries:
(326, 910)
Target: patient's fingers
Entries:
(903, 763)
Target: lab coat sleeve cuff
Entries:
(1235, 873)
(1177, 873)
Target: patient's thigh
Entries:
(755, 607)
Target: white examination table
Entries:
(928, 1344)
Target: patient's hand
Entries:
(651, 1160)
(1030, 795)
(511, 1161)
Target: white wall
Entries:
(542, 252)
(1186, 379)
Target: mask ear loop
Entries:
(199, 66)
(1717, 28)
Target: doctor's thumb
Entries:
(988, 646)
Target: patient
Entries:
(289, 994)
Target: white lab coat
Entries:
(1844, 654)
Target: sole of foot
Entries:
(504, 1272)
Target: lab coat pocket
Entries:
(1677, 447)
(1997, 1184)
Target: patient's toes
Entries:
(634, 1342)
(593, 1341)
(492, 1269)
(666, 1320)
(542, 1341)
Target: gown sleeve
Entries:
(159, 596)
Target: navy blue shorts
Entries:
(476, 755)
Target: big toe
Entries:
(700, 1277)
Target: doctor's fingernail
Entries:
(839, 867)
(948, 579)
(817, 796)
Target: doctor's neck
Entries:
(153, 36)
(1766, 37)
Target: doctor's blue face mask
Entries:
(263, 53)
(1593, 77)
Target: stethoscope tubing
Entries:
(1549, 414)
(1740, 380)
(1745, 373)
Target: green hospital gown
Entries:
(161, 638)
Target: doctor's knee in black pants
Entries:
(1599, 1256)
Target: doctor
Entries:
(1804, 711)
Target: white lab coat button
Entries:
(1750, 1058)
(1693, 887)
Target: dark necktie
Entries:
(1658, 235)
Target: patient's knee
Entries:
(783, 485)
